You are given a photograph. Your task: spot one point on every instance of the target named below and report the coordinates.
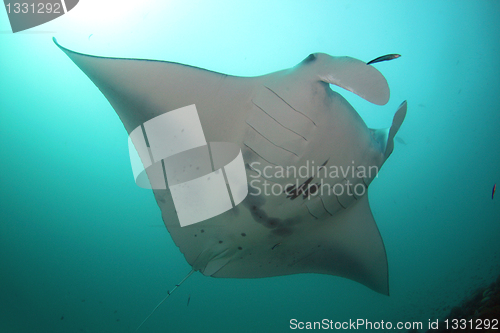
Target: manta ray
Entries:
(317, 221)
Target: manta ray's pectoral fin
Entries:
(385, 136)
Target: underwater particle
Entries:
(189, 298)
(384, 58)
(493, 192)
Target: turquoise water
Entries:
(83, 249)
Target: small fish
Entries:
(493, 192)
(189, 298)
(276, 246)
(384, 58)
(400, 140)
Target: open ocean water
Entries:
(83, 249)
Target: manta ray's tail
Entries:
(163, 300)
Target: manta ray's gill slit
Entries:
(316, 217)
(364, 182)
(262, 176)
(269, 140)
(272, 124)
(253, 151)
(324, 207)
(350, 189)
(278, 122)
(302, 113)
(248, 166)
(340, 203)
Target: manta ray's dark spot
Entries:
(202, 231)
(220, 242)
(243, 234)
(304, 189)
(195, 235)
(240, 248)
(273, 223)
(312, 189)
(282, 231)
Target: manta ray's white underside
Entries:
(290, 118)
